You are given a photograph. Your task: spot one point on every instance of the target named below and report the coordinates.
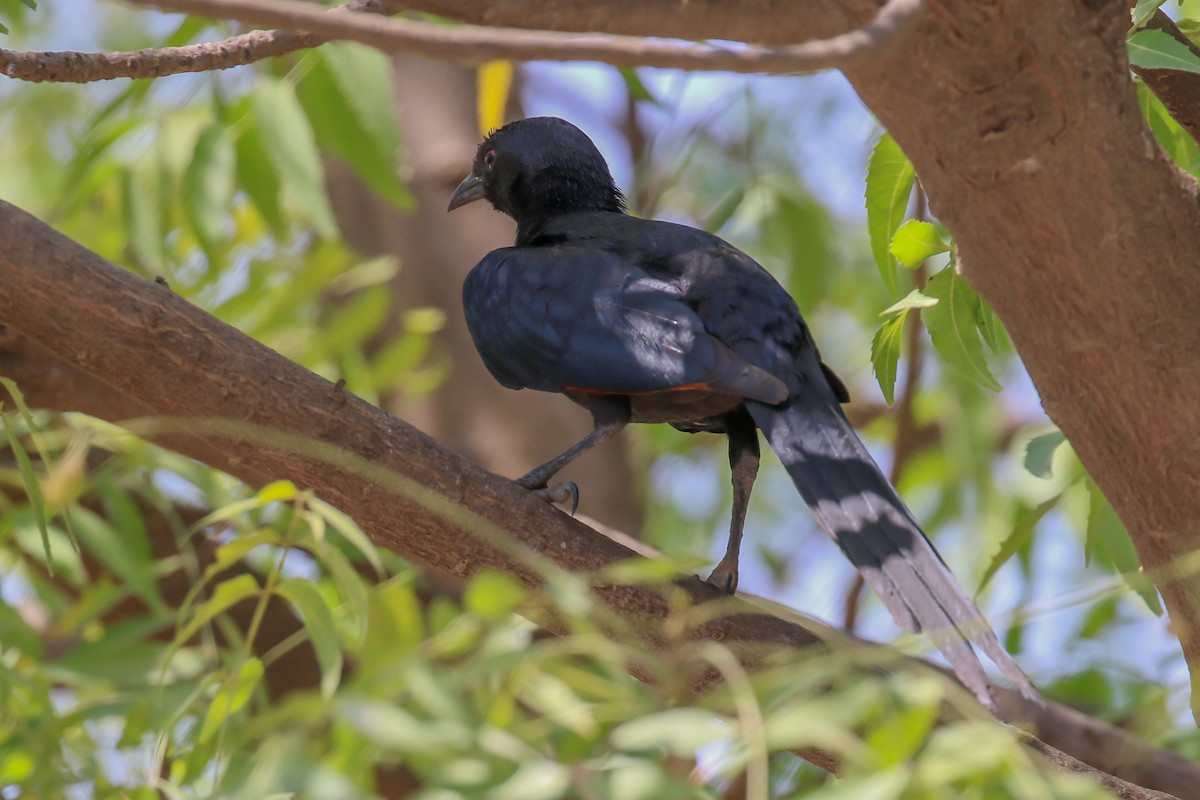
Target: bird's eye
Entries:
(489, 159)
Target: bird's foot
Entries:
(560, 494)
(724, 577)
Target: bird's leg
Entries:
(743, 463)
(610, 414)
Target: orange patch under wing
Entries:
(687, 387)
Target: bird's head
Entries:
(536, 168)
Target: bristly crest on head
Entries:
(537, 168)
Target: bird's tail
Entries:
(858, 508)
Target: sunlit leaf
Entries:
(915, 241)
(680, 731)
(889, 183)
(536, 779)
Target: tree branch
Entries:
(487, 43)
(236, 51)
(408, 494)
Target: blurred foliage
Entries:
(109, 689)
(216, 184)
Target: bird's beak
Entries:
(470, 190)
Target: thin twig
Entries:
(236, 51)
(479, 43)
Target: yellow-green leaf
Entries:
(915, 241)
(885, 354)
(231, 697)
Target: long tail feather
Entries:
(858, 508)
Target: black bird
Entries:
(648, 321)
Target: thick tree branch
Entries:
(486, 43)
(407, 493)
(236, 51)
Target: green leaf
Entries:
(291, 148)
(538, 779)
(885, 354)
(347, 97)
(318, 621)
(989, 324)
(33, 489)
(231, 697)
(256, 176)
(1109, 542)
(636, 87)
(143, 217)
(1154, 49)
(349, 530)
(208, 187)
(680, 731)
(392, 727)
(126, 553)
(364, 76)
(225, 595)
(493, 595)
(915, 241)
(1021, 533)
(889, 183)
(1039, 453)
(952, 327)
(1144, 10)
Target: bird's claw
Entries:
(724, 578)
(563, 493)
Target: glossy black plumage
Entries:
(648, 321)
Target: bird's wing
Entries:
(582, 318)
